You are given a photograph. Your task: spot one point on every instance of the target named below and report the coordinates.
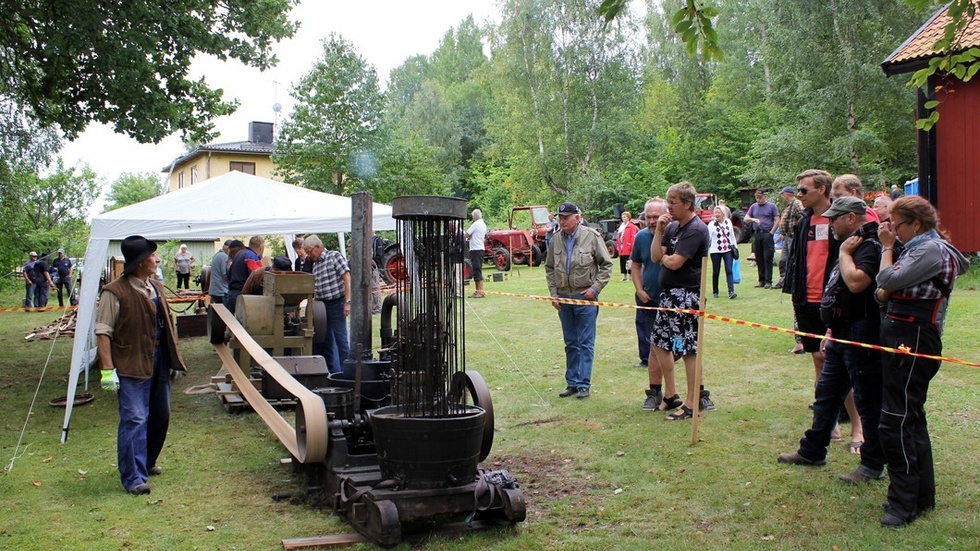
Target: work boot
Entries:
(567, 392)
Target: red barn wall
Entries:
(957, 163)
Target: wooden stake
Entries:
(697, 365)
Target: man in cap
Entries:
(765, 216)
(787, 228)
(136, 337)
(849, 310)
(244, 262)
(578, 267)
(218, 286)
(28, 272)
(62, 266)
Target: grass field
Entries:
(597, 473)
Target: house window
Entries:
(247, 168)
(193, 175)
(180, 180)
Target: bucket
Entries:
(338, 401)
(375, 393)
(428, 452)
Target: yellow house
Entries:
(253, 156)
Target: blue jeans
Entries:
(578, 330)
(336, 347)
(41, 295)
(230, 299)
(846, 366)
(644, 326)
(144, 417)
(29, 297)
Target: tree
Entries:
(126, 63)
(130, 189)
(336, 116)
(45, 213)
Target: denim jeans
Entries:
(578, 330)
(644, 326)
(144, 417)
(846, 366)
(29, 297)
(41, 295)
(336, 347)
(230, 299)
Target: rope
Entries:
(542, 401)
(30, 410)
(900, 350)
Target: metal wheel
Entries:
(472, 383)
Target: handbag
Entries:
(736, 272)
(734, 253)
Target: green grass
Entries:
(572, 457)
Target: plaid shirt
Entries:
(328, 271)
(791, 215)
(928, 290)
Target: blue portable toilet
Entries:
(912, 187)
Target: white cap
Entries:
(32, 253)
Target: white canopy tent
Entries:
(231, 204)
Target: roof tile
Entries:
(920, 45)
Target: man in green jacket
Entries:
(577, 267)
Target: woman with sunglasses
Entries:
(914, 287)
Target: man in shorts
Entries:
(680, 242)
(813, 255)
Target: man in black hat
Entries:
(136, 337)
(577, 267)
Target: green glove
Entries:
(107, 382)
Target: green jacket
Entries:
(590, 265)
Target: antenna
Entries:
(276, 107)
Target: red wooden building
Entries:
(949, 153)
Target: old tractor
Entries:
(524, 242)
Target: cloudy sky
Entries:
(385, 33)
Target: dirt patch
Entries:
(549, 476)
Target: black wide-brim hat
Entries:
(135, 249)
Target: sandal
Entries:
(672, 402)
(855, 447)
(681, 414)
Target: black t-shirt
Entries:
(40, 268)
(690, 241)
(839, 305)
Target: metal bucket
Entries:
(338, 401)
(424, 452)
(375, 393)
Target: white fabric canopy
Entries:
(231, 204)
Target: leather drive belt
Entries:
(307, 441)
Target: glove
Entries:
(109, 381)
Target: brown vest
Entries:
(135, 334)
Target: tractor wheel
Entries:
(537, 257)
(393, 267)
(501, 259)
(611, 247)
(519, 258)
(467, 270)
(738, 234)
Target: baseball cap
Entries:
(789, 190)
(844, 205)
(761, 191)
(32, 253)
(567, 208)
(61, 251)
